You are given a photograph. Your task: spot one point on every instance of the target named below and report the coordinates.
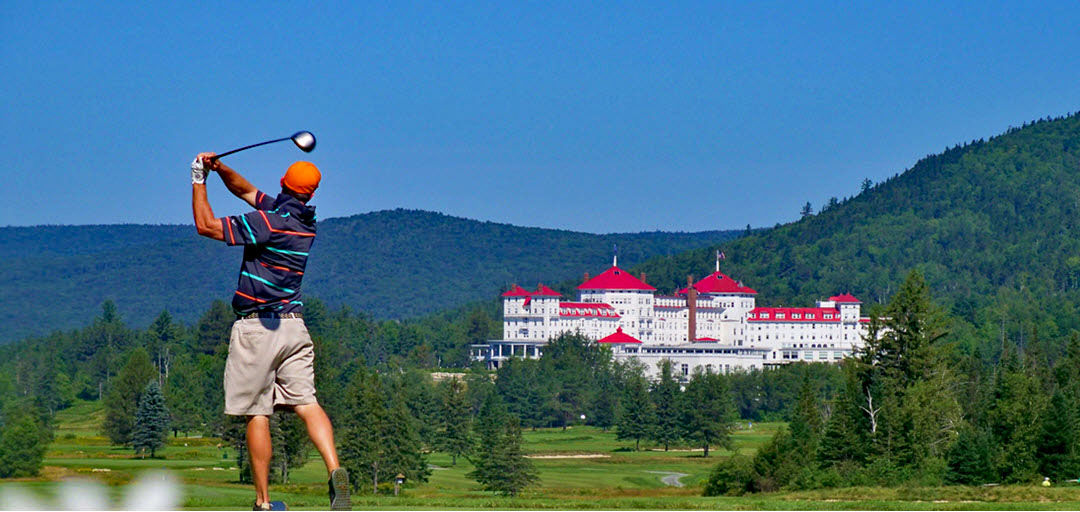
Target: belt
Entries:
(269, 315)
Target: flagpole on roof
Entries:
(615, 257)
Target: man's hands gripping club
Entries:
(240, 187)
(201, 167)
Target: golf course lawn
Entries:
(579, 468)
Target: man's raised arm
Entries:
(237, 184)
(205, 222)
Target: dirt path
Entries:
(582, 456)
(670, 477)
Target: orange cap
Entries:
(302, 177)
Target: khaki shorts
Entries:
(270, 364)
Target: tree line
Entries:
(916, 407)
(374, 380)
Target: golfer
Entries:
(270, 351)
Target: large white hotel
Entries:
(713, 324)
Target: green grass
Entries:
(621, 479)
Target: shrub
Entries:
(733, 476)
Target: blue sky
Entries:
(600, 117)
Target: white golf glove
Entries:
(198, 173)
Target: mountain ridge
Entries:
(398, 263)
(993, 224)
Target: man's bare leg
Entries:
(320, 431)
(260, 450)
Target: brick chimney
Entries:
(691, 305)
(586, 277)
(643, 278)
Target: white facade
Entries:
(730, 331)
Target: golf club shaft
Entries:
(227, 153)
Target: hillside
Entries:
(391, 264)
(992, 224)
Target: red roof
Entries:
(847, 297)
(717, 282)
(619, 337)
(516, 291)
(706, 339)
(615, 278)
(804, 315)
(587, 309)
(546, 292)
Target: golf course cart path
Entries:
(670, 477)
(580, 456)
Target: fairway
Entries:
(580, 468)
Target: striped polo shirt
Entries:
(277, 238)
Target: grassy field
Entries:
(580, 468)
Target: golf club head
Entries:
(304, 140)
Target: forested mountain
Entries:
(391, 264)
(994, 225)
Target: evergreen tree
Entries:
(489, 425)
(362, 447)
(806, 422)
(807, 210)
(478, 385)
(290, 441)
(184, 396)
(405, 453)
(417, 392)
(1014, 420)
(970, 458)
(638, 415)
(912, 326)
(1057, 448)
(102, 344)
(605, 400)
(123, 399)
(569, 363)
(234, 435)
(665, 398)
(773, 466)
(707, 411)
(213, 329)
(502, 466)
(901, 370)
(151, 421)
(22, 443)
(378, 441)
(846, 433)
(518, 384)
(455, 435)
(929, 415)
(160, 337)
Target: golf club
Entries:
(304, 140)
